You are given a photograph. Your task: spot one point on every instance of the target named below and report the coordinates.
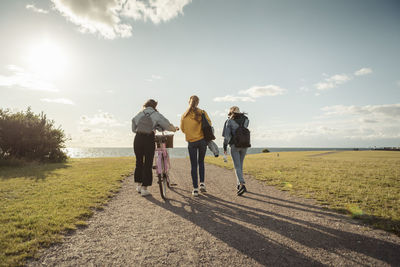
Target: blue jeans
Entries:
(238, 154)
(197, 152)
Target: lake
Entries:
(178, 152)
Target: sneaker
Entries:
(144, 191)
(195, 192)
(203, 187)
(138, 187)
(241, 190)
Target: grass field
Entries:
(365, 184)
(39, 203)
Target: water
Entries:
(179, 152)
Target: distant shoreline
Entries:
(181, 152)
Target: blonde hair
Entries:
(193, 103)
(234, 112)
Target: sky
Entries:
(308, 73)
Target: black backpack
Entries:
(241, 138)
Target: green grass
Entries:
(40, 203)
(364, 184)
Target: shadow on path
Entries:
(253, 231)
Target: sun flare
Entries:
(47, 59)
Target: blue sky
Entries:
(318, 73)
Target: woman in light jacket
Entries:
(197, 146)
(235, 119)
(144, 143)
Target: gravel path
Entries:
(263, 227)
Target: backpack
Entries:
(241, 138)
(145, 124)
(207, 128)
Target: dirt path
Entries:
(263, 227)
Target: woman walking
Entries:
(234, 121)
(197, 146)
(144, 125)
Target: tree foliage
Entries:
(29, 136)
(265, 150)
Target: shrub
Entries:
(265, 150)
(29, 136)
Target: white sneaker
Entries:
(144, 191)
(203, 187)
(138, 187)
(195, 192)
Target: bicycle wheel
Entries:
(162, 182)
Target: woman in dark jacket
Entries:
(235, 119)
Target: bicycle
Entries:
(162, 162)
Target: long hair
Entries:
(234, 113)
(193, 103)
(150, 103)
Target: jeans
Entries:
(143, 147)
(238, 154)
(197, 152)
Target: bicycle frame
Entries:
(162, 164)
(162, 161)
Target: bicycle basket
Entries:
(168, 139)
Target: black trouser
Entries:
(144, 146)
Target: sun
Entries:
(47, 59)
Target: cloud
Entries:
(252, 93)
(64, 101)
(36, 9)
(334, 132)
(231, 98)
(324, 86)
(268, 90)
(99, 119)
(398, 83)
(101, 129)
(108, 17)
(333, 81)
(101, 16)
(363, 71)
(155, 10)
(21, 78)
(391, 111)
(339, 126)
(338, 79)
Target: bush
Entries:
(29, 136)
(265, 150)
